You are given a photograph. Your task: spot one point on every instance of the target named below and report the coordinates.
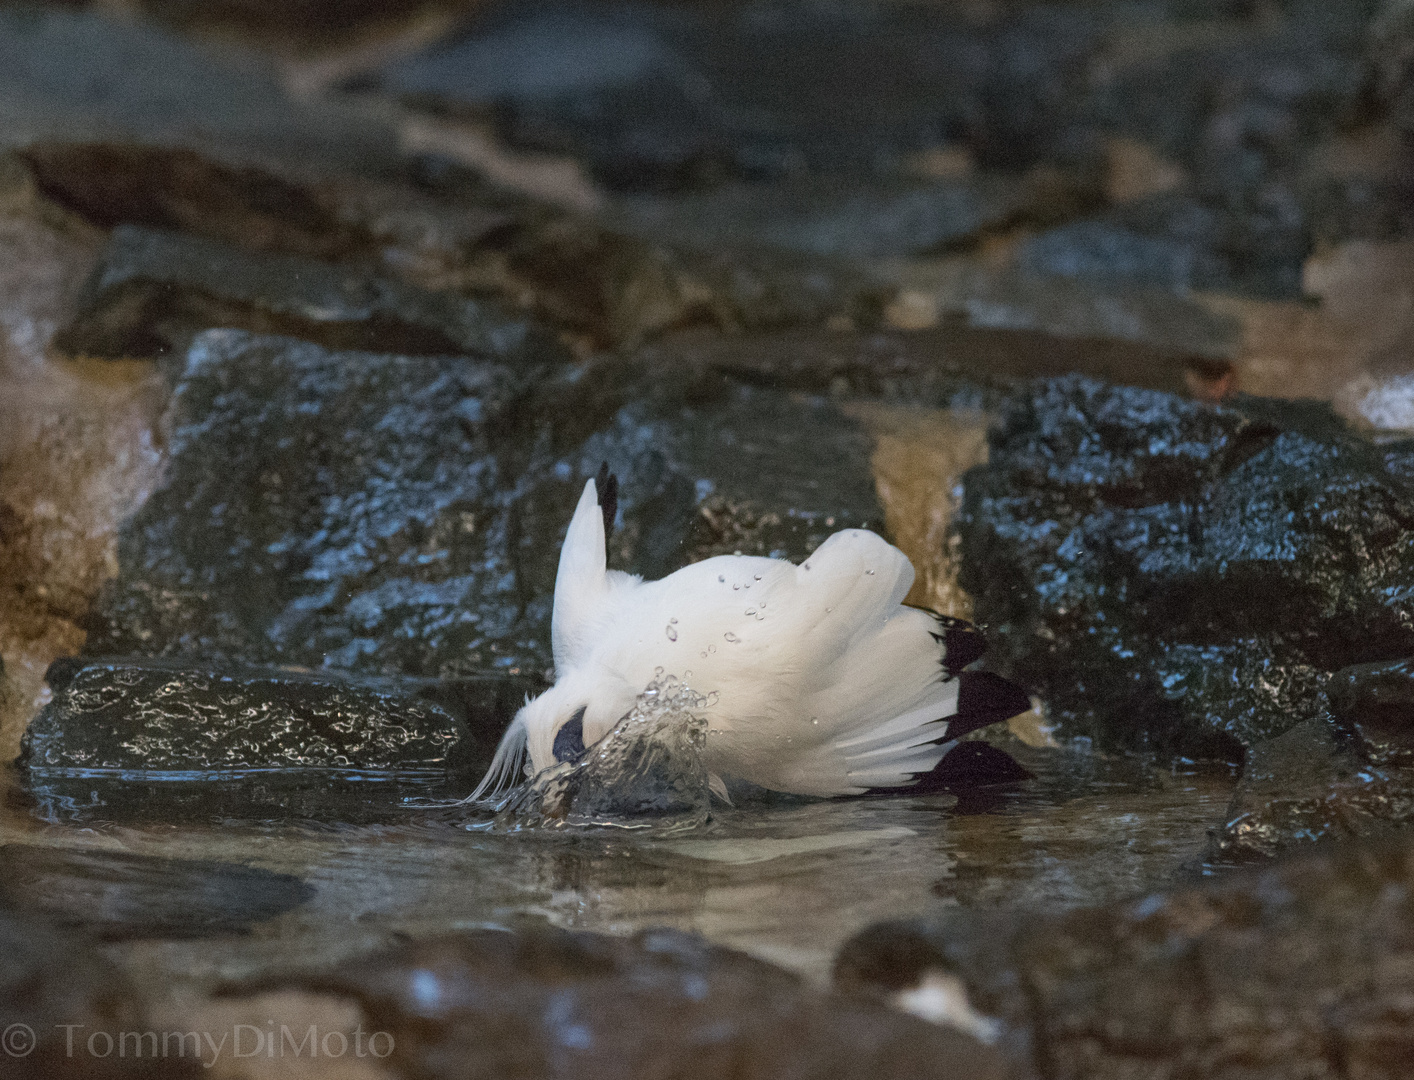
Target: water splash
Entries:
(647, 772)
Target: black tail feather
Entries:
(971, 764)
(985, 698)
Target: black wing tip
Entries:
(606, 485)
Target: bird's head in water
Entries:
(553, 728)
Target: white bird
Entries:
(823, 682)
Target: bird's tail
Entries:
(897, 702)
(507, 766)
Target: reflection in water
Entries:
(786, 879)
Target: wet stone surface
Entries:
(1308, 784)
(1300, 969)
(546, 1003)
(1181, 577)
(299, 522)
(1338, 777)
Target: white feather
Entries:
(825, 683)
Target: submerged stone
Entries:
(119, 895)
(143, 739)
(1338, 777)
(1374, 703)
(545, 1003)
(1262, 974)
(1182, 577)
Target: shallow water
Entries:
(787, 880)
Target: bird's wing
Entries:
(580, 582)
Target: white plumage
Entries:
(823, 682)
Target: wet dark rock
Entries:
(119, 895)
(1181, 577)
(668, 97)
(549, 1003)
(155, 289)
(144, 739)
(1340, 777)
(403, 515)
(81, 76)
(50, 978)
(322, 507)
(1299, 969)
(737, 472)
(145, 715)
